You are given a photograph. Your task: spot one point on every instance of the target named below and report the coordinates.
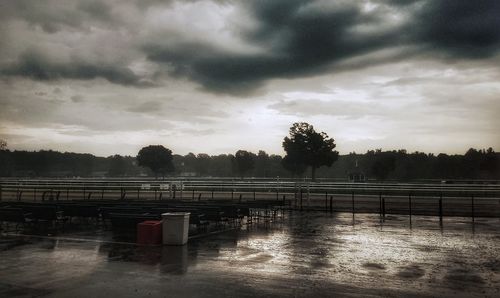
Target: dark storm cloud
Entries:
(401, 2)
(460, 28)
(286, 39)
(219, 71)
(303, 38)
(38, 67)
(297, 38)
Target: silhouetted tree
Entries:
(490, 164)
(471, 163)
(262, 164)
(244, 161)
(117, 166)
(157, 158)
(276, 166)
(293, 163)
(190, 162)
(306, 147)
(5, 159)
(383, 164)
(222, 165)
(202, 165)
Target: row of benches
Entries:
(123, 214)
(30, 213)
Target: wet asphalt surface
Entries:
(302, 255)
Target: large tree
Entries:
(306, 147)
(293, 162)
(157, 158)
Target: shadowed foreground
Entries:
(309, 254)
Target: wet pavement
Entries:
(301, 255)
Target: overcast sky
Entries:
(113, 76)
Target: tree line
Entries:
(308, 154)
(375, 164)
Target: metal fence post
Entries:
(441, 209)
(326, 201)
(472, 206)
(380, 203)
(409, 206)
(182, 189)
(301, 199)
(308, 193)
(352, 199)
(383, 208)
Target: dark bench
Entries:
(106, 211)
(214, 214)
(44, 213)
(80, 211)
(231, 213)
(14, 215)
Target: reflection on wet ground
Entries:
(308, 254)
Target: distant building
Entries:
(356, 175)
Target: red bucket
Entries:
(149, 232)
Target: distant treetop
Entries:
(157, 158)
